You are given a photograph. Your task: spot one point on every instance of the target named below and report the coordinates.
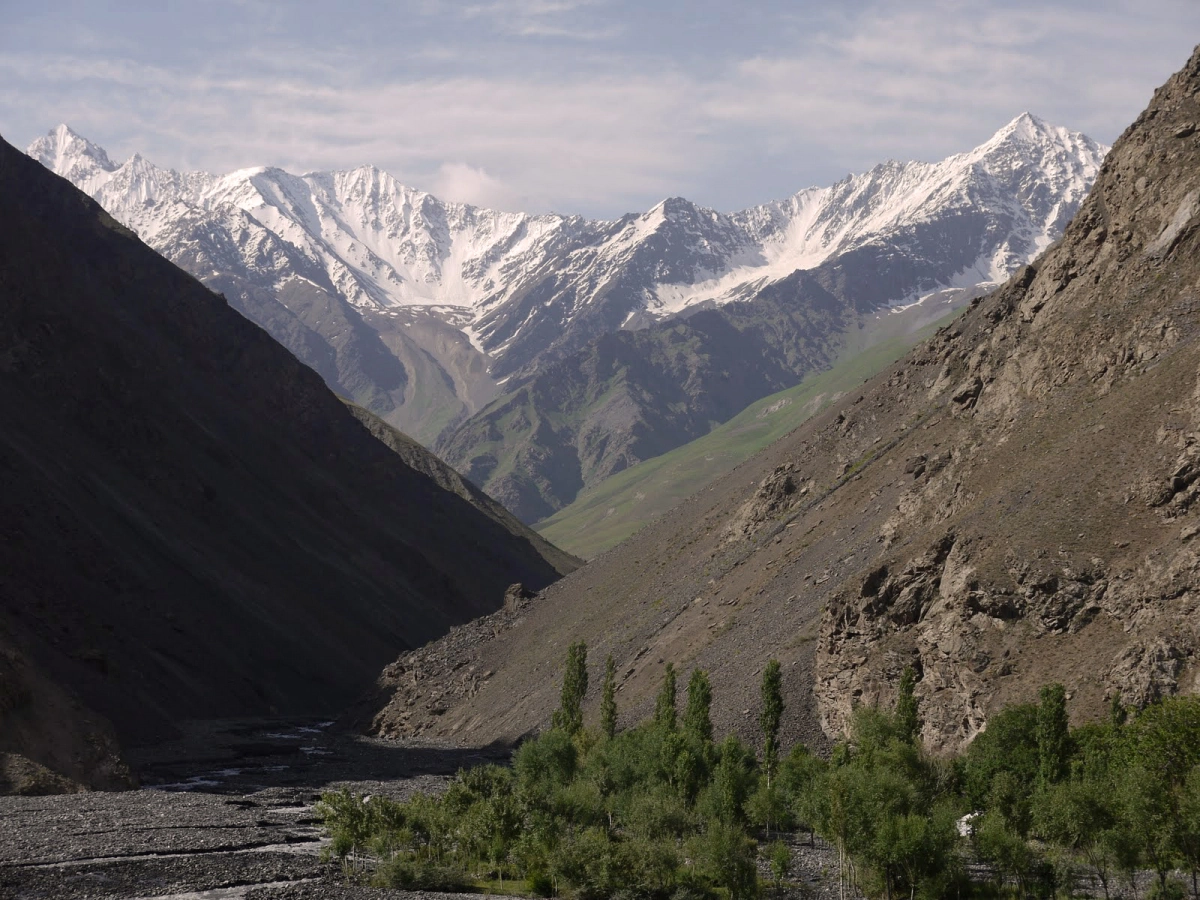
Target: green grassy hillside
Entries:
(613, 510)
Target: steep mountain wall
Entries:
(191, 524)
(1013, 503)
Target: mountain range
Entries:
(541, 354)
(1016, 502)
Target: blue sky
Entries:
(581, 106)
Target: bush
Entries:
(1171, 889)
(414, 875)
(540, 885)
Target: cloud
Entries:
(462, 183)
(907, 80)
(544, 19)
(576, 144)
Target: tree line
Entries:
(1031, 809)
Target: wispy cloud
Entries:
(468, 184)
(544, 18)
(569, 145)
(925, 80)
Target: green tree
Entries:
(1078, 817)
(696, 719)
(800, 781)
(1189, 827)
(780, 857)
(732, 781)
(1117, 714)
(1008, 746)
(1149, 819)
(569, 715)
(1010, 854)
(908, 720)
(771, 715)
(664, 705)
(1164, 741)
(545, 765)
(767, 807)
(915, 848)
(1166, 738)
(1053, 735)
(726, 857)
(608, 699)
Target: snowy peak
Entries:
(62, 144)
(1038, 142)
(1030, 129)
(72, 156)
(529, 289)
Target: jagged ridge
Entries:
(415, 308)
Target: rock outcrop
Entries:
(1068, 405)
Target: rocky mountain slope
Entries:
(420, 310)
(1012, 503)
(603, 516)
(631, 396)
(193, 525)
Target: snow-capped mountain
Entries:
(419, 308)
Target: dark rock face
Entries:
(191, 524)
(1012, 504)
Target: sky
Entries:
(594, 107)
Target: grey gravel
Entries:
(225, 812)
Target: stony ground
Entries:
(227, 812)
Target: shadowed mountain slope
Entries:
(1015, 502)
(420, 459)
(191, 524)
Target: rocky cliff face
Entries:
(1052, 476)
(1013, 503)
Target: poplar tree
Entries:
(569, 715)
(696, 718)
(664, 706)
(908, 720)
(1117, 714)
(608, 699)
(771, 715)
(1053, 734)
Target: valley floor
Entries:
(227, 812)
